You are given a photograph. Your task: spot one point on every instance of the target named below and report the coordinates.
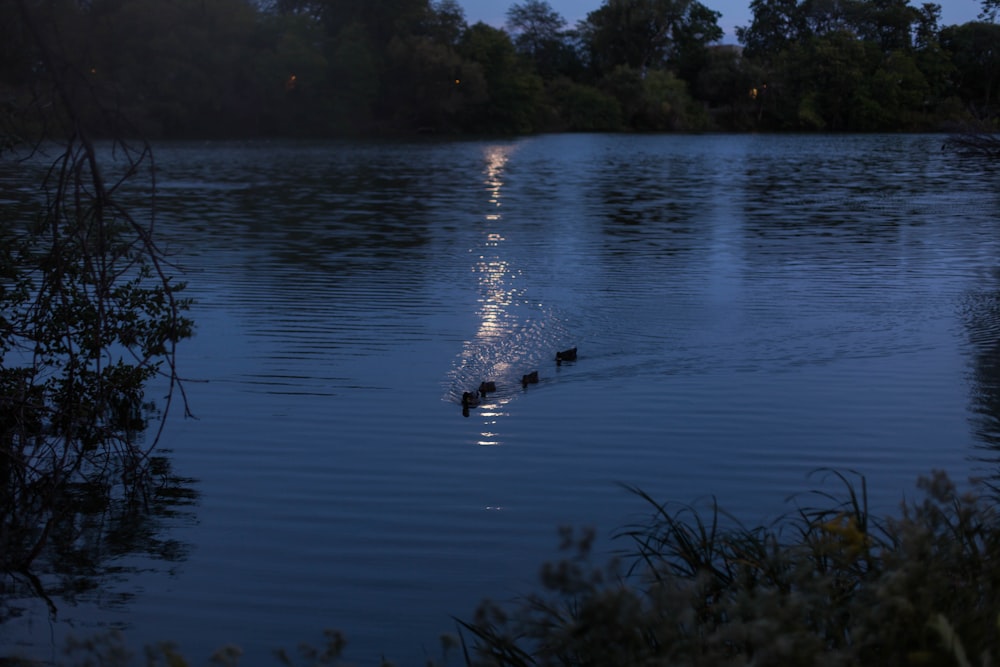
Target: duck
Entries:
(530, 378)
(566, 355)
(470, 399)
(487, 387)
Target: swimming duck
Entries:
(566, 355)
(530, 378)
(487, 387)
(470, 399)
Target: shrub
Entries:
(823, 586)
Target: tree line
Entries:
(240, 68)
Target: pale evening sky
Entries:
(734, 12)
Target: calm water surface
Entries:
(748, 309)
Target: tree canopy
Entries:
(333, 68)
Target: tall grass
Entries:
(828, 584)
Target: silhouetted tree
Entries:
(91, 314)
(976, 58)
(539, 34)
(514, 92)
(990, 9)
(775, 25)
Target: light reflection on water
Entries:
(747, 309)
(495, 352)
(498, 296)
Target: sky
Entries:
(734, 12)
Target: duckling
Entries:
(470, 399)
(487, 387)
(530, 378)
(566, 355)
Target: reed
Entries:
(827, 584)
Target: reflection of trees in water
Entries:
(90, 526)
(981, 312)
(982, 320)
(89, 316)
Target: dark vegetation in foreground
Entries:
(90, 317)
(334, 68)
(827, 585)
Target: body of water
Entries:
(747, 309)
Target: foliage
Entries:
(647, 34)
(774, 27)
(990, 10)
(729, 86)
(583, 108)
(866, 66)
(334, 67)
(90, 316)
(539, 35)
(658, 101)
(828, 585)
(974, 53)
(514, 92)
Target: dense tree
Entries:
(829, 79)
(976, 57)
(535, 27)
(928, 21)
(188, 58)
(822, 17)
(540, 34)
(888, 23)
(656, 101)
(775, 25)
(352, 78)
(514, 91)
(639, 34)
(429, 85)
(380, 20)
(291, 76)
(444, 22)
(689, 53)
(338, 67)
(730, 86)
(932, 60)
(584, 108)
(861, 64)
(899, 91)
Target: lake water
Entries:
(747, 309)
